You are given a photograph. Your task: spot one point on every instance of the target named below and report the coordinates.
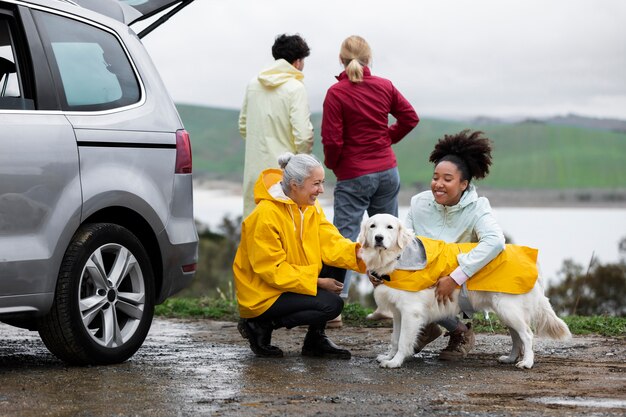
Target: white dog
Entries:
(384, 239)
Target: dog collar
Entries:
(379, 277)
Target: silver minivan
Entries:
(96, 210)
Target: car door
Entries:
(40, 195)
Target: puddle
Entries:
(581, 402)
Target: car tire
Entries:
(104, 299)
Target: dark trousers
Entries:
(291, 310)
(333, 272)
(372, 193)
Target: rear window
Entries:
(89, 64)
(9, 86)
(12, 95)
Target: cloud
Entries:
(448, 57)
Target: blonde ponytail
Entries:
(355, 54)
(354, 70)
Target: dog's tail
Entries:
(548, 324)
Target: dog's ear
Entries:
(405, 235)
(362, 239)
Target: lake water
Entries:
(558, 233)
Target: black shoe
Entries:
(317, 344)
(259, 334)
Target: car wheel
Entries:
(104, 298)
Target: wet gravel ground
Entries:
(205, 368)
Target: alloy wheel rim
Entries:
(112, 295)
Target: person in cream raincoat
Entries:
(275, 116)
(284, 243)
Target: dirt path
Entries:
(202, 368)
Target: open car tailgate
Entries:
(132, 11)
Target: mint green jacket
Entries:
(471, 220)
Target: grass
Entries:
(605, 326)
(207, 308)
(354, 315)
(527, 155)
(580, 325)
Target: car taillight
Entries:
(183, 152)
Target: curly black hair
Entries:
(469, 151)
(290, 48)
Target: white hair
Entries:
(296, 168)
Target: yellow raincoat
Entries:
(513, 271)
(274, 119)
(282, 248)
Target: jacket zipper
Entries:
(445, 221)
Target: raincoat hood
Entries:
(268, 187)
(469, 196)
(279, 73)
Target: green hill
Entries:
(529, 154)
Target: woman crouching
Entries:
(284, 243)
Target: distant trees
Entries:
(216, 254)
(599, 290)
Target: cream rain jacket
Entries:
(274, 119)
(282, 248)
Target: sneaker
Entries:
(335, 323)
(429, 333)
(459, 346)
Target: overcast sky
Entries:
(449, 58)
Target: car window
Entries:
(9, 86)
(88, 63)
(10, 89)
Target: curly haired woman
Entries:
(453, 211)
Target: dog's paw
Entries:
(507, 359)
(391, 364)
(379, 315)
(383, 357)
(524, 364)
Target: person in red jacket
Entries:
(357, 140)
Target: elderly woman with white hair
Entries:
(284, 243)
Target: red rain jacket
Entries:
(356, 134)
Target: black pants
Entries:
(333, 272)
(291, 310)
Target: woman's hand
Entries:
(444, 288)
(330, 284)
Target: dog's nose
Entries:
(378, 238)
